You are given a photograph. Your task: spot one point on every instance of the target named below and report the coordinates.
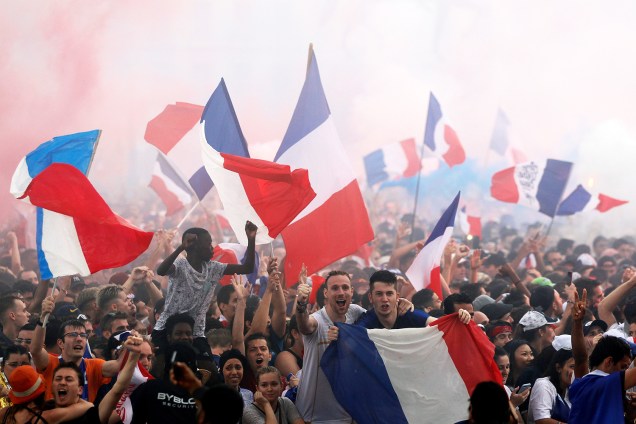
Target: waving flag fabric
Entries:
(440, 137)
(581, 200)
(425, 270)
(499, 140)
(410, 375)
(172, 133)
(73, 149)
(124, 406)
(169, 186)
(470, 225)
(79, 233)
(234, 253)
(266, 193)
(537, 184)
(393, 161)
(336, 222)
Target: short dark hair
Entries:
(223, 296)
(382, 276)
(587, 284)
(452, 300)
(489, 403)
(219, 337)
(423, 299)
(71, 365)
(609, 346)
(196, 231)
(177, 319)
(108, 319)
(13, 349)
(73, 323)
(7, 303)
(24, 286)
(542, 298)
(333, 274)
(222, 405)
(256, 336)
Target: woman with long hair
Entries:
(521, 356)
(549, 402)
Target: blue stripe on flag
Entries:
(222, 129)
(575, 202)
(447, 220)
(201, 182)
(45, 271)
(365, 368)
(74, 149)
(555, 178)
(374, 167)
(311, 110)
(168, 170)
(499, 140)
(433, 117)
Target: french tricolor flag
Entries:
(172, 133)
(76, 231)
(267, 193)
(581, 200)
(440, 138)
(424, 272)
(411, 375)
(234, 253)
(469, 224)
(392, 162)
(173, 191)
(536, 184)
(336, 222)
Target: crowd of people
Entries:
(179, 337)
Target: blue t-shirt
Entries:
(415, 319)
(597, 398)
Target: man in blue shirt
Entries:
(384, 298)
(598, 396)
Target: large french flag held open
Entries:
(336, 223)
(266, 193)
(440, 138)
(393, 161)
(412, 375)
(424, 272)
(536, 184)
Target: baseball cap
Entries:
(481, 301)
(533, 320)
(542, 281)
(495, 311)
(596, 323)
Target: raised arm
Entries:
(279, 318)
(579, 350)
(143, 275)
(16, 261)
(238, 323)
(507, 270)
(39, 354)
(607, 305)
(167, 266)
(248, 266)
(112, 367)
(108, 404)
(261, 315)
(306, 324)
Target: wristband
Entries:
(40, 323)
(301, 307)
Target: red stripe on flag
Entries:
(606, 203)
(107, 240)
(436, 282)
(276, 194)
(225, 256)
(474, 222)
(413, 164)
(471, 351)
(455, 154)
(166, 129)
(504, 187)
(334, 230)
(172, 202)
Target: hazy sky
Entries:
(562, 71)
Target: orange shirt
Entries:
(94, 376)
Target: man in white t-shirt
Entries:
(316, 401)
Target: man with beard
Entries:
(316, 401)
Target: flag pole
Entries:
(45, 321)
(187, 215)
(417, 193)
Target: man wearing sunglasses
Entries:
(72, 338)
